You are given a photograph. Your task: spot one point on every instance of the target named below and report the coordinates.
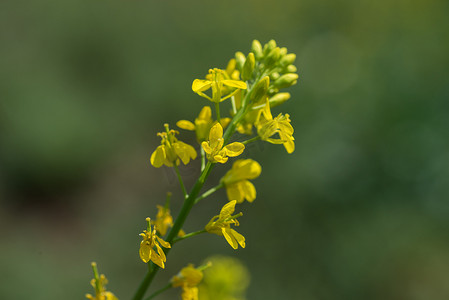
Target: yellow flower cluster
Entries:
(215, 149)
(252, 84)
(236, 181)
(188, 279)
(150, 241)
(221, 225)
(217, 81)
(171, 150)
(98, 283)
(203, 124)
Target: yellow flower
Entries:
(164, 220)
(171, 150)
(98, 283)
(214, 147)
(151, 240)
(217, 81)
(267, 127)
(221, 225)
(226, 279)
(189, 278)
(203, 124)
(236, 180)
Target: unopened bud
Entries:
(248, 67)
(256, 48)
(274, 76)
(272, 57)
(283, 51)
(240, 60)
(268, 47)
(231, 66)
(278, 99)
(288, 60)
(286, 80)
(291, 69)
(260, 90)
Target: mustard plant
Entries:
(253, 84)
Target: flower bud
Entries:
(268, 47)
(256, 48)
(272, 57)
(279, 98)
(248, 67)
(260, 89)
(240, 60)
(274, 75)
(291, 69)
(283, 51)
(286, 80)
(287, 59)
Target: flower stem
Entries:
(251, 140)
(168, 286)
(209, 192)
(217, 110)
(203, 159)
(180, 238)
(179, 222)
(181, 183)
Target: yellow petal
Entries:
(200, 85)
(158, 157)
(229, 237)
(215, 134)
(184, 151)
(289, 144)
(221, 159)
(189, 293)
(234, 149)
(240, 238)
(161, 253)
(235, 83)
(248, 189)
(225, 122)
(157, 260)
(228, 209)
(145, 252)
(184, 124)
(163, 243)
(234, 193)
(205, 114)
(206, 147)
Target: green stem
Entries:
(217, 110)
(168, 286)
(188, 235)
(179, 222)
(180, 181)
(251, 140)
(209, 192)
(97, 277)
(203, 159)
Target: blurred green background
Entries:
(359, 211)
